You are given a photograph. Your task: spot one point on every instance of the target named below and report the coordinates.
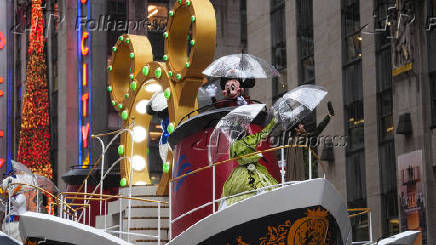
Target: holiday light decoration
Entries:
(34, 144)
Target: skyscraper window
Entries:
(278, 43)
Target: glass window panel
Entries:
(305, 41)
(307, 70)
(353, 116)
(351, 16)
(387, 160)
(356, 180)
(433, 99)
(243, 9)
(388, 187)
(353, 44)
(277, 4)
(278, 38)
(353, 90)
(384, 69)
(434, 8)
(353, 103)
(386, 103)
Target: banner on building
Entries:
(411, 194)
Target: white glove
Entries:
(158, 102)
(211, 90)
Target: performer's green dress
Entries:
(250, 174)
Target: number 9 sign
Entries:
(134, 77)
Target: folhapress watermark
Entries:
(108, 23)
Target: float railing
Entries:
(104, 174)
(213, 166)
(65, 208)
(105, 198)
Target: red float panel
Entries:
(195, 190)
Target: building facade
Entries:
(79, 39)
(377, 60)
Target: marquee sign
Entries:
(2, 45)
(84, 85)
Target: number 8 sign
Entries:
(134, 77)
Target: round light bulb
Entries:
(141, 107)
(138, 163)
(139, 134)
(153, 87)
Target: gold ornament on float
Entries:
(132, 70)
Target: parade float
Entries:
(221, 170)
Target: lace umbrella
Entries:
(230, 128)
(241, 66)
(298, 103)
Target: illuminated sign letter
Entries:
(85, 74)
(85, 133)
(85, 98)
(85, 50)
(2, 40)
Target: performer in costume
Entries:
(250, 174)
(18, 206)
(295, 156)
(233, 91)
(158, 106)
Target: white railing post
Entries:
(169, 211)
(9, 209)
(85, 201)
(121, 217)
(158, 223)
(105, 213)
(370, 227)
(213, 189)
(103, 151)
(282, 161)
(61, 212)
(83, 215)
(37, 200)
(89, 214)
(310, 161)
(129, 204)
(130, 185)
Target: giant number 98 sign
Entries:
(134, 76)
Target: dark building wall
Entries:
(4, 52)
(68, 91)
(99, 96)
